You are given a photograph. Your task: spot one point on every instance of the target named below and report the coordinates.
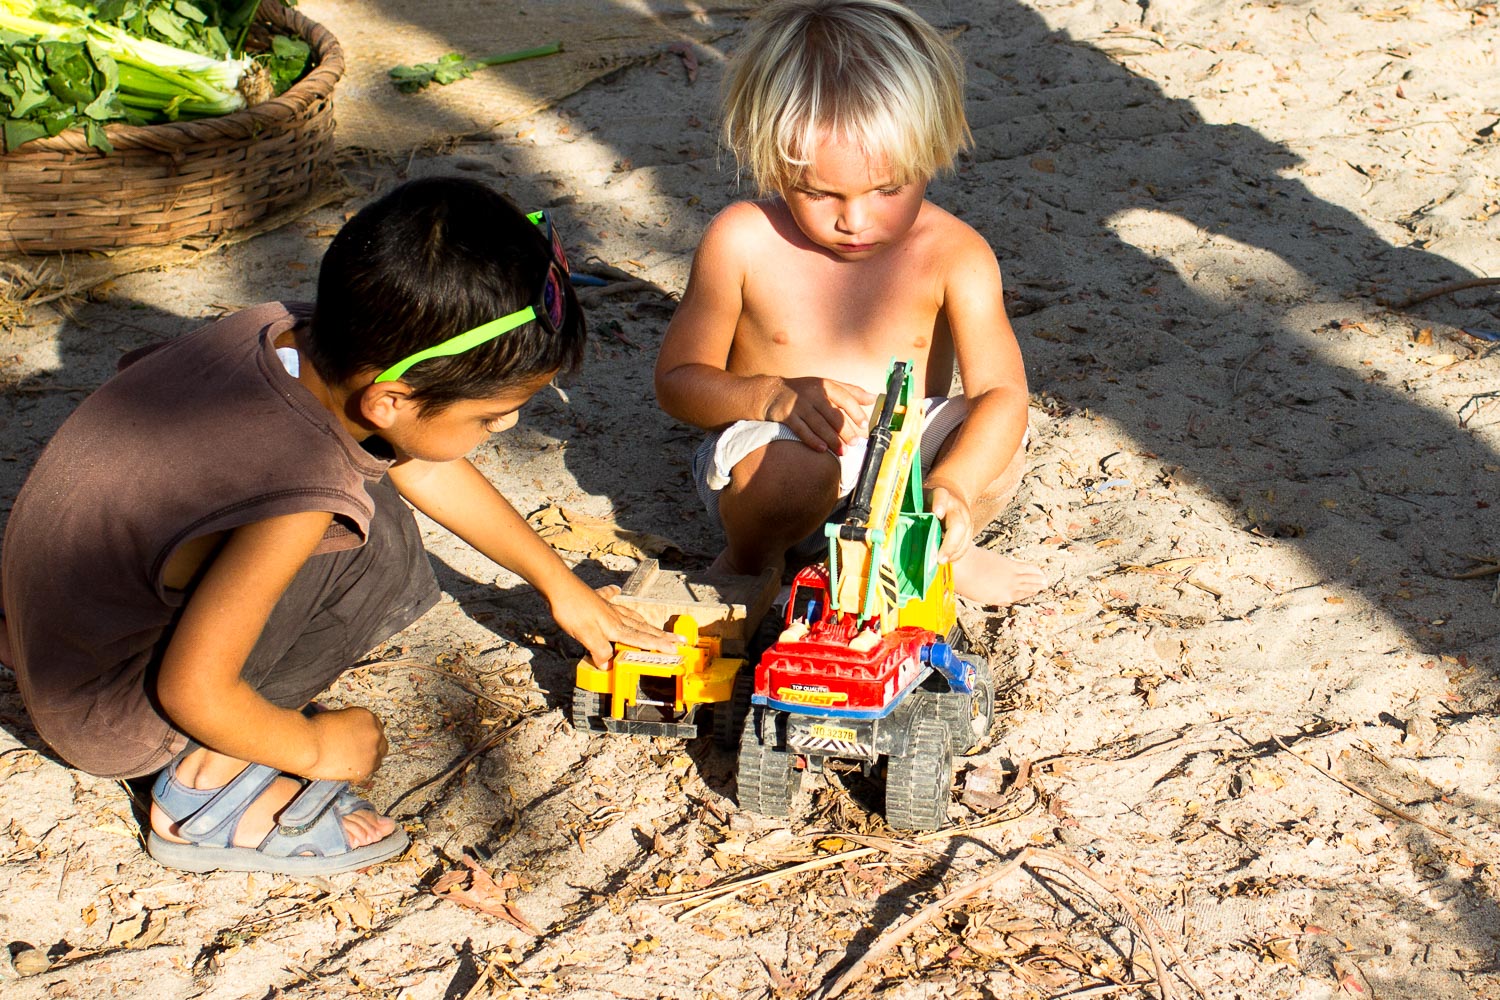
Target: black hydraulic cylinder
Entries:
(863, 496)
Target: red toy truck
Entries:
(865, 668)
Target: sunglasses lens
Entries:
(553, 298)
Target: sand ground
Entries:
(1257, 702)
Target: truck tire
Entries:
(588, 710)
(729, 718)
(918, 786)
(766, 778)
(970, 718)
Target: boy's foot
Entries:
(202, 770)
(986, 577)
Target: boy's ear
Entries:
(383, 403)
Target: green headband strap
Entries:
(461, 343)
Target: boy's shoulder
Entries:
(749, 215)
(744, 232)
(231, 328)
(936, 222)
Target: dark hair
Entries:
(428, 261)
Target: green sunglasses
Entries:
(550, 309)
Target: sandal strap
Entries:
(313, 822)
(176, 800)
(310, 824)
(311, 802)
(217, 821)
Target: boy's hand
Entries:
(598, 625)
(952, 509)
(824, 413)
(351, 744)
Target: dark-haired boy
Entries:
(219, 531)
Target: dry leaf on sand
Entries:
(484, 894)
(574, 532)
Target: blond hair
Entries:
(870, 72)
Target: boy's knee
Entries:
(783, 485)
(789, 473)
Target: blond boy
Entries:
(842, 111)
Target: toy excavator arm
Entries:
(861, 548)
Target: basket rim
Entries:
(170, 137)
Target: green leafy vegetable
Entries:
(287, 61)
(83, 63)
(453, 67)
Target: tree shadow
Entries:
(1079, 163)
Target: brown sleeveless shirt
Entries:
(202, 435)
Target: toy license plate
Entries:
(823, 739)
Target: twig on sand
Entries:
(893, 937)
(455, 678)
(487, 975)
(1474, 401)
(1385, 804)
(1485, 566)
(1028, 855)
(600, 269)
(485, 746)
(1449, 289)
(1234, 384)
(703, 899)
(591, 296)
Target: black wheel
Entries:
(588, 710)
(970, 717)
(766, 777)
(917, 786)
(729, 718)
(959, 639)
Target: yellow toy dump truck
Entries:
(682, 693)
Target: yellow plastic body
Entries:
(702, 674)
(938, 610)
(867, 578)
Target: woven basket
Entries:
(167, 183)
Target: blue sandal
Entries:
(308, 839)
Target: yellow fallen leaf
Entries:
(1281, 950)
(122, 933)
(353, 910)
(113, 824)
(1438, 360)
(1180, 563)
